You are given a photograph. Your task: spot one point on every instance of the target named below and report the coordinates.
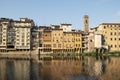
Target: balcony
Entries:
(40, 47)
(22, 47)
(10, 43)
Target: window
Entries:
(86, 22)
(111, 39)
(17, 35)
(110, 25)
(115, 38)
(90, 40)
(76, 39)
(57, 40)
(66, 45)
(28, 43)
(22, 40)
(69, 39)
(4, 28)
(115, 46)
(111, 33)
(104, 27)
(22, 44)
(22, 36)
(45, 35)
(59, 45)
(76, 45)
(111, 46)
(3, 39)
(70, 45)
(115, 33)
(54, 45)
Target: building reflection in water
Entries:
(14, 70)
(87, 68)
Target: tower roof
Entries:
(86, 16)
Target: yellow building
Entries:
(62, 42)
(68, 41)
(57, 40)
(47, 37)
(78, 41)
(111, 35)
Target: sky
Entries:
(47, 12)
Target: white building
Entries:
(91, 42)
(23, 33)
(66, 27)
(15, 35)
(98, 40)
(95, 40)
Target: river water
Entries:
(86, 68)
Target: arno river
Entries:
(86, 68)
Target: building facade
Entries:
(78, 41)
(53, 39)
(57, 40)
(23, 35)
(68, 42)
(91, 42)
(85, 42)
(111, 35)
(47, 39)
(66, 27)
(16, 35)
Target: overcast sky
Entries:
(46, 12)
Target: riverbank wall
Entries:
(19, 55)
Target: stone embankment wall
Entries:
(19, 54)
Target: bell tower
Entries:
(86, 24)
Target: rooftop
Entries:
(57, 29)
(110, 24)
(65, 24)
